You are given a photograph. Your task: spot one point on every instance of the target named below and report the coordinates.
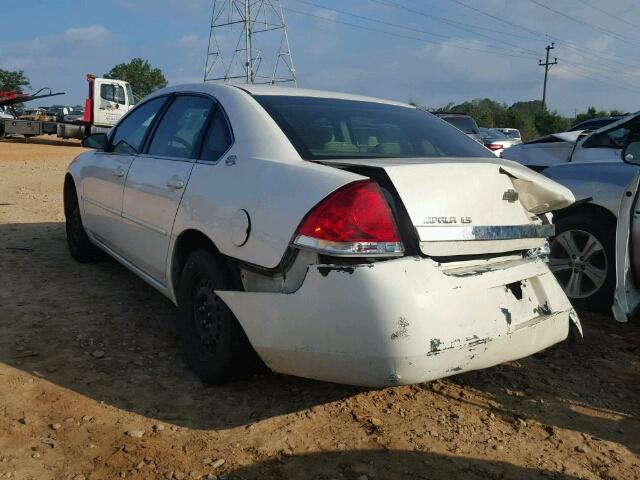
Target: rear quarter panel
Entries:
(267, 178)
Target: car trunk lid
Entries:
(472, 206)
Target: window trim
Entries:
(147, 141)
(114, 130)
(231, 135)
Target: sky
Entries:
(431, 52)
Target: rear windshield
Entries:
(466, 124)
(325, 128)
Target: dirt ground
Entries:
(93, 384)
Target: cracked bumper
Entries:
(404, 321)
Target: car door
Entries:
(605, 146)
(104, 177)
(157, 179)
(112, 102)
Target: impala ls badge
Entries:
(510, 196)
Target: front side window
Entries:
(130, 132)
(325, 128)
(218, 139)
(180, 128)
(616, 138)
(112, 92)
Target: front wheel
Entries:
(80, 247)
(583, 260)
(215, 345)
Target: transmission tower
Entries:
(248, 43)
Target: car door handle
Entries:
(175, 184)
(119, 172)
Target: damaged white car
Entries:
(602, 145)
(330, 236)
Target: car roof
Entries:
(278, 90)
(305, 92)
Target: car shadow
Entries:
(99, 330)
(390, 465)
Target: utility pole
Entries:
(547, 65)
(260, 53)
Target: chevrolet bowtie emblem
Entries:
(510, 196)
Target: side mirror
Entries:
(99, 141)
(631, 152)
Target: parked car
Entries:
(583, 252)
(330, 236)
(595, 123)
(58, 112)
(496, 141)
(510, 132)
(75, 115)
(605, 144)
(463, 122)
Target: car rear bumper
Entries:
(404, 321)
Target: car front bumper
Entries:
(406, 320)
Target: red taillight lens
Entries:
(494, 146)
(354, 220)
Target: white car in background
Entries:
(331, 236)
(513, 133)
(602, 145)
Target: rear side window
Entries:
(131, 130)
(466, 124)
(327, 128)
(218, 139)
(180, 128)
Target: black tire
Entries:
(215, 346)
(597, 291)
(80, 247)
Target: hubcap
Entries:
(579, 262)
(207, 315)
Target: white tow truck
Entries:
(107, 102)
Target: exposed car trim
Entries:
(488, 232)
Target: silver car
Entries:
(497, 142)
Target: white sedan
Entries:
(331, 236)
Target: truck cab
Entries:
(110, 100)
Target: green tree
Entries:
(547, 122)
(13, 80)
(143, 78)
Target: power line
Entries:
(450, 22)
(580, 72)
(399, 35)
(604, 31)
(406, 27)
(605, 57)
(609, 14)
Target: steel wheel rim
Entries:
(207, 316)
(579, 262)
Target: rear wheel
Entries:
(583, 260)
(215, 345)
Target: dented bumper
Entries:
(405, 321)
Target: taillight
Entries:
(355, 220)
(494, 146)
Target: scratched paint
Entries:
(403, 329)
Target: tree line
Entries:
(528, 117)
